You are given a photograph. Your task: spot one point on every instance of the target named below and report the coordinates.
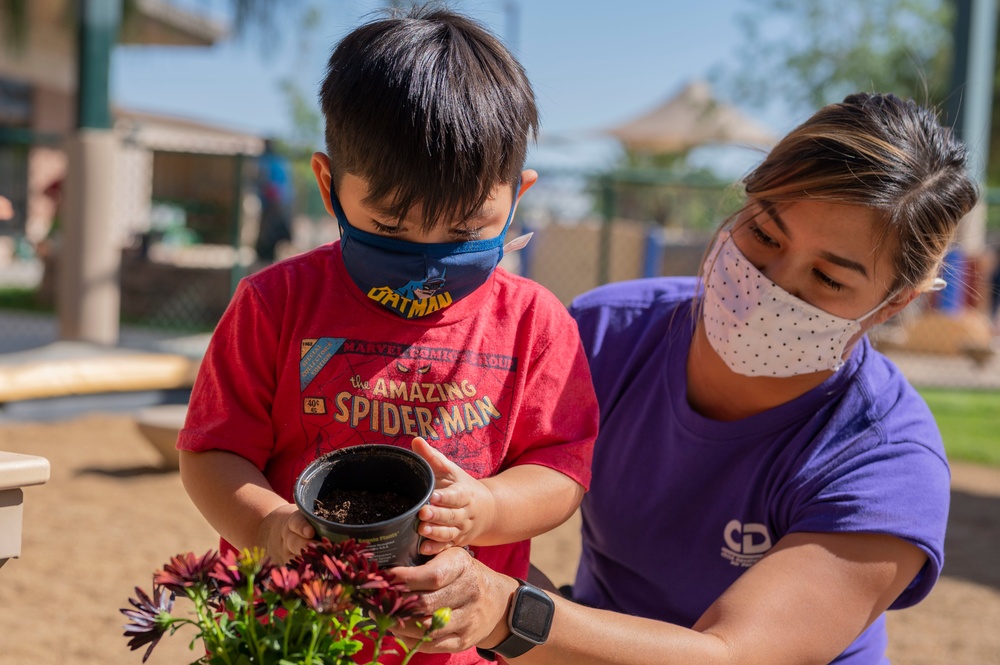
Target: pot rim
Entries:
(318, 464)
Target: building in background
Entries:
(161, 157)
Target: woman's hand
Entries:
(478, 598)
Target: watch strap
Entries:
(514, 645)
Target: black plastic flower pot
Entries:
(393, 483)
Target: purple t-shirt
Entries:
(680, 504)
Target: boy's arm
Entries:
(530, 500)
(236, 499)
(516, 504)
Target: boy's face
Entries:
(488, 222)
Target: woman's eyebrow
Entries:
(772, 212)
(844, 262)
(826, 255)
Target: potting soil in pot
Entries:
(359, 506)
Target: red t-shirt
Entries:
(303, 363)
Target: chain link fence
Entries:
(181, 264)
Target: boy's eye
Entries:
(466, 233)
(385, 228)
(826, 281)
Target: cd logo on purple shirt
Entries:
(746, 543)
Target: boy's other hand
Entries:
(461, 507)
(285, 532)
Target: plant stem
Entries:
(208, 625)
(251, 620)
(377, 651)
(288, 629)
(409, 652)
(312, 644)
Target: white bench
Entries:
(16, 471)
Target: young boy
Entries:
(405, 331)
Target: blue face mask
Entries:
(413, 279)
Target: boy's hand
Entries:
(285, 532)
(461, 507)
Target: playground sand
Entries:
(110, 515)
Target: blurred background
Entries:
(155, 152)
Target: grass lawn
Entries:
(20, 299)
(969, 422)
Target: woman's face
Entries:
(824, 253)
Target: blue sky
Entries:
(593, 64)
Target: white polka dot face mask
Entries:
(759, 329)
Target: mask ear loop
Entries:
(338, 210)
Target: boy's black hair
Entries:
(429, 108)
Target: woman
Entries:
(765, 483)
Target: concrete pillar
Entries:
(88, 296)
(977, 103)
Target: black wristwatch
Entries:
(529, 620)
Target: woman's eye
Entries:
(826, 281)
(762, 237)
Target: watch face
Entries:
(532, 615)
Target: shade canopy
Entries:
(689, 119)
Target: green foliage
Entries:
(298, 146)
(968, 423)
(306, 134)
(670, 196)
(14, 24)
(809, 53)
(315, 610)
(21, 299)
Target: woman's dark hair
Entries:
(884, 153)
(429, 108)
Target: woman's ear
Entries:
(320, 164)
(896, 304)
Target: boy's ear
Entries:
(320, 164)
(528, 178)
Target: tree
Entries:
(306, 133)
(249, 16)
(804, 54)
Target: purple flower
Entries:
(227, 574)
(329, 586)
(325, 596)
(283, 581)
(185, 571)
(392, 602)
(149, 620)
(347, 562)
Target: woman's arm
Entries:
(236, 499)
(804, 602)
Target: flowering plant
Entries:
(312, 611)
